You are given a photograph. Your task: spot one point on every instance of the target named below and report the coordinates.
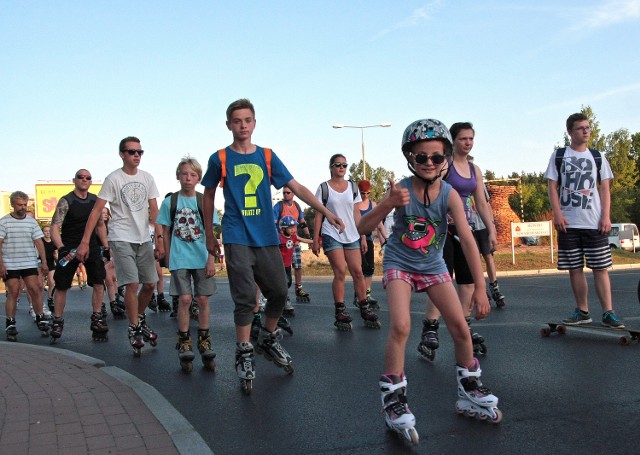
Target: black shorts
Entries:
(482, 239)
(17, 274)
(94, 266)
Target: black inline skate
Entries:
(103, 311)
(285, 325)
(135, 338)
(117, 309)
(496, 295)
(43, 324)
(153, 303)
(56, 329)
(256, 325)
(269, 346)
(206, 353)
(245, 366)
(147, 332)
(11, 329)
(368, 316)
(429, 341)
(343, 319)
(99, 328)
(302, 296)
(185, 352)
(175, 302)
(479, 348)
(288, 310)
(163, 305)
(50, 304)
(373, 303)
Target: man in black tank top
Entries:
(67, 228)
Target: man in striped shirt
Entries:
(19, 259)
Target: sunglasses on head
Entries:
(133, 152)
(435, 159)
(83, 177)
(340, 165)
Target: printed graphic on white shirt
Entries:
(187, 226)
(578, 182)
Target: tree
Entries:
(378, 177)
(618, 150)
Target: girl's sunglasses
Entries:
(435, 159)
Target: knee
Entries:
(399, 331)
(459, 331)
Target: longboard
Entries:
(561, 329)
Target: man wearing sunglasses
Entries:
(131, 194)
(67, 228)
(287, 206)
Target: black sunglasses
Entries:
(286, 192)
(83, 177)
(435, 159)
(133, 152)
(340, 165)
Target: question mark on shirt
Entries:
(256, 174)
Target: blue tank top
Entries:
(418, 235)
(369, 236)
(465, 188)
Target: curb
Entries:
(186, 439)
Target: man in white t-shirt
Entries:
(131, 194)
(579, 192)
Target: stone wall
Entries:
(502, 212)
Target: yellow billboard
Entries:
(48, 195)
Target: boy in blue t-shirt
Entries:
(246, 172)
(188, 259)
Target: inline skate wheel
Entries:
(137, 352)
(154, 343)
(412, 435)
(51, 341)
(288, 368)
(373, 324)
(501, 303)
(247, 386)
(427, 352)
(187, 367)
(498, 417)
(343, 326)
(209, 364)
(483, 349)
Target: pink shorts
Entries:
(419, 282)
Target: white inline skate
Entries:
(397, 415)
(245, 366)
(474, 399)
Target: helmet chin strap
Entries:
(426, 201)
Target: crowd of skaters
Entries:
(442, 207)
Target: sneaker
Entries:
(578, 317)
(609, 319)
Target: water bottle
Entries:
(63, 262)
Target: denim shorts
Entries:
(330, 244)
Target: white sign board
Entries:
(534, 229)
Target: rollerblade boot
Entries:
(185, 353)
(256, 325)
(429, 341)
(285, 325)
(175, 301)
(397, 415)
(301, 295)
(373, 303)
(43, 324)
(163, 305)
(56, 329)
(11, 329)
(474, 399)
(103, 311)
(99, 327)
(117, 310)
(206, 353)
(50, 304)
(245, 366)
(288, 308)
(368, 316)
(269, 346)
(479, 348)
(135, 338)
(496, 295)
(343, 319)
(147, 332)
(153, 303)
(194, 310)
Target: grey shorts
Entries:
(181, 283)
(134, 262)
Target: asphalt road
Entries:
(576, 393)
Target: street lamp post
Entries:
(361, 128)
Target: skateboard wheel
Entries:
(561, 329)
(545, 332)
(625, 341)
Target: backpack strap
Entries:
(300, 212)
(324, 188)
(559, 159)
(267, 158)
(597, 157)
(222, 154)
(354, 189)
(174, 206)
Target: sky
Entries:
(78, 76)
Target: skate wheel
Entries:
(137, 352)
(625, 341)
(561, 329)
(154, 343)
(413, 436)
(210, 365)
(470, 414)
(288, 368)
(247, 386)
(498, 417)
(51, 341)
(545, 332)
(483, 349)
(187, 367)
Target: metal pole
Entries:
(364, 163)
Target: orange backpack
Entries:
(222, 153)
